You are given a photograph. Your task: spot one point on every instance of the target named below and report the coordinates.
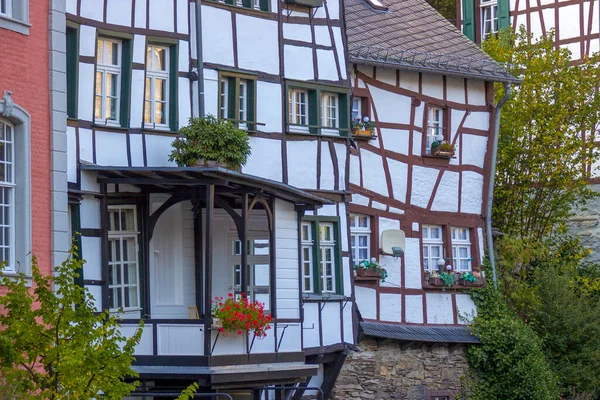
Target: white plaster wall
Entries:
(433, 85)
(111, 149)
(341, 153)
(211, 92)
(183, 60)
(139, 49)
(298, 62)
(90, 251)
(423, 181)
(328, 210)
(354, 170)
(348, 325)
(137, 98)
(409, 80)
(158, 149)
(71, 6)
(332, 324)
(446, 198)
(417, 139)
(118, 12)
(71, 155)
(366, 302)
(92, 9)
(456, 118)
(455, 89)
(390, 307)
(292, 339)
(322, 36)
(412, 264)
(418, 121)
(480, 242)
(140, 13)
(89, 181)
(360, 200)
(311, 325)
(334, 9)
(476, 92)
(386, 75)
(478, 120)
(474, 149)
(217, 36)
(137, 150)
(395, 140)
(299, 32)
(161, 15)
(182, 16)
(439, 308)
(85, 95)
(372, 165)
(184, 106)
(96, 292)
(568, 21)
(466, 308)
(286, 239)
(265, 159)
(471, 193)
(89, 210)
(302, 163)
(257, 44)
(326, 65)
(399, 174)
(268, 110)
(391, 107)
(414, 309)
(327, 174)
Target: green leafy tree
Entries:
(53, 344)
(546, 137)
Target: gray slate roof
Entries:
(415, 333)
(413, 35)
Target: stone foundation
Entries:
(384, 370)
(586, 224)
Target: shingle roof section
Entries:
(433, 334)
(413, 35)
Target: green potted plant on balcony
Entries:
(370, 269)
(469, 279)
(363, 127)
(442, 149)
(210, 142)
(240, 315)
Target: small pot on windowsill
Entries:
(436, 281)
(437, 152)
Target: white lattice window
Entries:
(258, 270)
(224, 99)
(489, 17)
(435, 126)
(356, 108)
(243, 104)
(156, 99)
(329, 111)
(461, 249)
(7, 197)
(123, 265)
(298, 109)
(433, 244)
(360, 237)
(108, 81)
(307, 257)
(327, 257)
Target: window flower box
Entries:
(442, 149)
(362, 132)
(370, 271)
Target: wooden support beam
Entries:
(209, 201)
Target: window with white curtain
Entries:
(433, 244)
(108, 81)
(360, 237)
(489, 17)
(298, 109)
(156, 100)
(461, 249)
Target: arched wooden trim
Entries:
(237, 219)
(174, 199)
(259, 198)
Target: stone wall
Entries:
(586, 223)
(384, 370)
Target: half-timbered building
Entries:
(422, 83)
(161, 241)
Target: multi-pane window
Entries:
(259, 5)
(433, 244)
(243, 103)
(329, 110)
(435, 126)
(223, 100)
(7, 197)
(258, 288)
(489, 18)
(108, 81)
(461, 249)
(156, 99)
(360, 237)
(319, 257)
(237, 99)
(356, 108)
(123, 265)
(298, 109)
(6, 7)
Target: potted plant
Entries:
(370, 269)
(469, 279)
(435, 280)
(447, 278)
(442, 149)
(363, 127)
(240, 316)
(209, 142)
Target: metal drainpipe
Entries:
(200, 59)
(490, 199)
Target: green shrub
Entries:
(210, 139)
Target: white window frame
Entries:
(459, 243)
(356, 108)
(256, 4)
(307, 243)
(8, 8)
(243, 100)
(356, 232)
(435, 126)
(224, 98)
(492, 6)
(330, 114)
(295, 119)
(324, 246)
(430, 261)
(252, 259)
(8, 186)
(120, 235)
(104, 67)
(153, 75)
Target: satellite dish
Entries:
(393, 242)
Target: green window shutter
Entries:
(229, 2)
(173, 123)
(468, 8)
(76, 231)
(503, 14)
(72, 59)
(125, 83)
(232, 98)
(251, 103)
(314, 107)
(344, 113)
(264, 5)
(247, 3)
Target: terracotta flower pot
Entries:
(436, 281)
(442, 153)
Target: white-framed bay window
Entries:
(433, 246)
(7, 197)
(156, 99)
(360, 237)
(435, 126)
(123, 258)
(329, 113)
(489, 17)
(108, 81)
(298, 110)
(461, 248)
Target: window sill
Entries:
(109, 127)
(364, 137)
(13, 276)
(226, 6)
(308, 297)
(308, 134)
(160, 131)
(15, 25)
(429, 159)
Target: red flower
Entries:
(239, 332)
(229, 294)
(221, 329)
